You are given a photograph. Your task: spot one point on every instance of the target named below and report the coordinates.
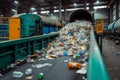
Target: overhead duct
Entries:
(80, 14)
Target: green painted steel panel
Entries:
(28, 24)
(18, 49)
(5, 61)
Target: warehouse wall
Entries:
(102, 14)
(114, 11)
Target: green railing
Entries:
(96, 66)
(13, 50)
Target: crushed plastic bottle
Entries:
(75, 65)
(28, 71)
(17, 74)
(40, 76)
(42, 65)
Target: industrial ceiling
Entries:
(24, 6)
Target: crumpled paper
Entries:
(41, 65)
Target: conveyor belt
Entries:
(58, 71)
(112, 60)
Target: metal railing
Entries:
(96, 66)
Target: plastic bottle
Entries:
(75, 65)
(40, 76)
(17, 74)
(28, 71)
(76, 56)
(65, 53)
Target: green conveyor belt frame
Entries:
(96, 66)
(13, 50)
(18, 49)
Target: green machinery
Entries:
(26, 25)
(13, 50)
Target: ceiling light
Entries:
(13, 10)
(73, 9)
(75, 4)
(32, 9)
(42, 12)
(51, 14)
(99, 7)
(34, 12)
(42, 9)
(55, 7)
(58, 10)
(87, 3)
(16, 2)
(97, 1)
(87, 8)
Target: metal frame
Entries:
(96, 67)
(13, 50)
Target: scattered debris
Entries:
(29, 59)
(67, 60)
(74, 65)
(115, 68)
(41, 65)
(29, 77)
(117, 42)
(1, 75)
(40, 76)
(42, 59)
(17, 74)
(28, 71)
(35, 55)
(84, 78)
(82, 71)
(118, 53)
(51, 56)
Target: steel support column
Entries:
(60, 7)
(65, 15)
(117, 9)
(85, 4)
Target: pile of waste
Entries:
(74, 40)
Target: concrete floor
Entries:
(111, 58)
